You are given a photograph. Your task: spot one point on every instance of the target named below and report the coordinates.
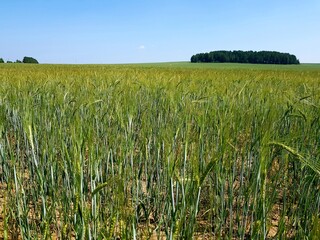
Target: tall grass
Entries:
(131, 152)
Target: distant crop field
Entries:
(159, 151)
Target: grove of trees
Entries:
(25, 60)
(29, 60)
(260, 57)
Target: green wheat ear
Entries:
(313, 164)
(99, 188)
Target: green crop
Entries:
(167, 151)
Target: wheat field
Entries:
(159, 151)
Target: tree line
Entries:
(259, 57)
(25, 60)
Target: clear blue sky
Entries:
(126, 31)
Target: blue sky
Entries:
(130, 31)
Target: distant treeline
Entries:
(262, 57)
(25, 60)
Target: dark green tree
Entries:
(30, 60)
(261, 57)
(1, 60)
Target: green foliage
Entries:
(175, 151)
(313, 164)
(25, 60)
(29, 60)
(261, 57)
